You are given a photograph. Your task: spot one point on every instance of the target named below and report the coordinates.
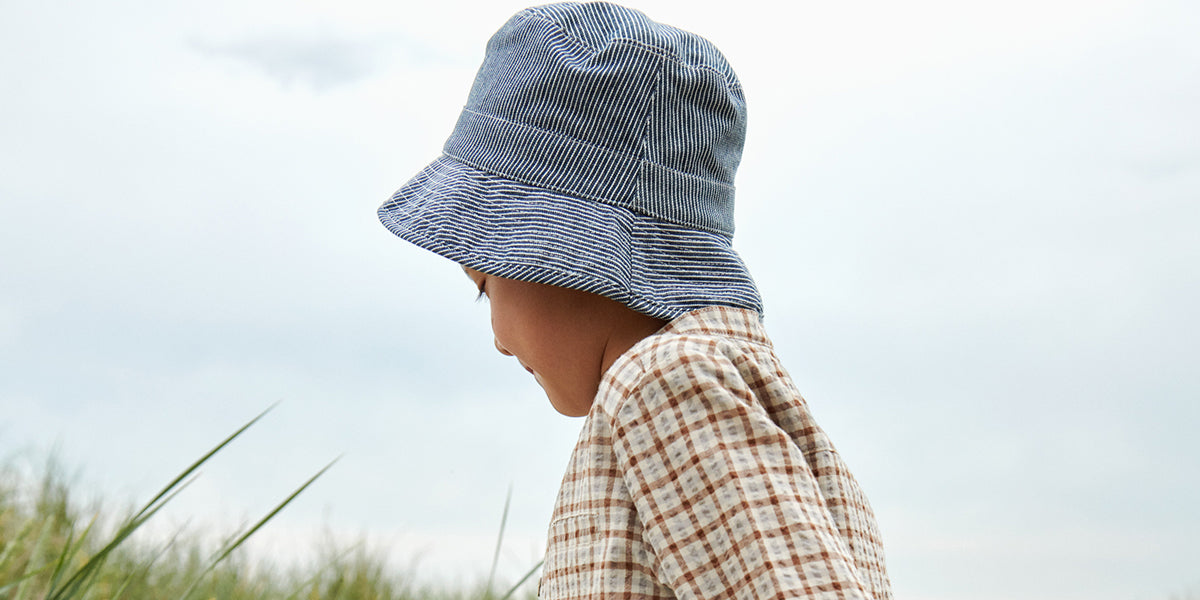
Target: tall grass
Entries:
(52, 547)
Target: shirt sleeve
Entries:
(728, 502)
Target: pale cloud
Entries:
(320, 63)
(324, 61)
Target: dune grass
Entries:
(53, 547)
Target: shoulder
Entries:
(666, 353)
(671, 368)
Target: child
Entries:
(587, 190)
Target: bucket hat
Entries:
(596, 151)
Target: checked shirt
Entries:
(700, 473)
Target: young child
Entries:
(587, 190)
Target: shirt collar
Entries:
(723, 321)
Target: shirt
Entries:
(700, 473)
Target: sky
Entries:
(973, 225)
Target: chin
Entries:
(570, 407)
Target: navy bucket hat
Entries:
(596, 151)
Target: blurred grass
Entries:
(53, 547)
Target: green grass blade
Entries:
(275, 511)
(203, 459)
(153, 506)
(124, 584)
(499, 541)
(70, 550)
(224, 553)
(21, 580)
(145, 568)
(311, 581)
(85, 584)
(61, 562)
(76, 581)
(514, 588)
(11, 546)
(37, 550)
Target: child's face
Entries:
(540, 325)
(566, 338)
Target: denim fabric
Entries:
(597, 151)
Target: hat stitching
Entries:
(557, 135)
(666, 55)
(730, 82)
(579, 44)
(530, 271)
(537, 274)
(641, 161)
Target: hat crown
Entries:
(599, 102)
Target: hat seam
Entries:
(592, 198)
(641, 162)
(390, 215)
(529, 182)
(605, 150)
(639, 158)
(559, 136)
(664, 54)
(580, 44)
(730, 83)
(647, 117)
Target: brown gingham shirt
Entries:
(700, 473)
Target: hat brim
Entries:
(510, 229)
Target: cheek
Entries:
(498, 326)
(506, 326)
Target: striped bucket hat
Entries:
(596, 151)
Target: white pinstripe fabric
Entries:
(597, 151)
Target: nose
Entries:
(501, 349)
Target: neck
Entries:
(628, 328)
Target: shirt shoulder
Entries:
(715, 334)
(716, 346)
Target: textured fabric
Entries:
(700, 473)
(597, 151)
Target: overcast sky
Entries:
(973, 224)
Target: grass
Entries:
(54, 548)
